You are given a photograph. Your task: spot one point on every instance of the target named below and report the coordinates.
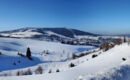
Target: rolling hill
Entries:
(45, 33)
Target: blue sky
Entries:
(103, 16)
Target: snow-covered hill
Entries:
(45, 32)
(42, 52)
(113, 64)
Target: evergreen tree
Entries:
(0, 53)
(28, 53)
(124, 39)
(18, 73)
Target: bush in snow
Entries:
(100, 52)
(62, 42)
(94, 55)
(20, 54)
(118, 41)
(106, 46)
(71, 65)
(124, 59)
(57, 70)
(47, 52)
(74, 56)
(18, 73)
(81, 55)
(50, 71)
(27, 72)
(39, 70)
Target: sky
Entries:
(99, 16)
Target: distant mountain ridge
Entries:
(42, 32)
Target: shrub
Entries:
(94, 55)
(71, 65)
(81, 55)
(28, 72)
(118, 41)
(124, 59)
(18, 73)
(39, 70)
(20, 54)
(47, 52)
(106, 46)
(50, 71)
(57, 70)
(62, 42)
(74, 56)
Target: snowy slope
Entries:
(44, 32)
(89, 68)
(12, 44)
(22, 34)
(57, 52)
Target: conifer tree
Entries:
(28, 53)
(124, 39)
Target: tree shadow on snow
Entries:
(17, 62)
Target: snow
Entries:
(39, 46)
(106, 66)
(86, 37)
(57, 52)
(49, 33)
(27, 33)
(9, 61)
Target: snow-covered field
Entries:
(107, 65)
(47, 54)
